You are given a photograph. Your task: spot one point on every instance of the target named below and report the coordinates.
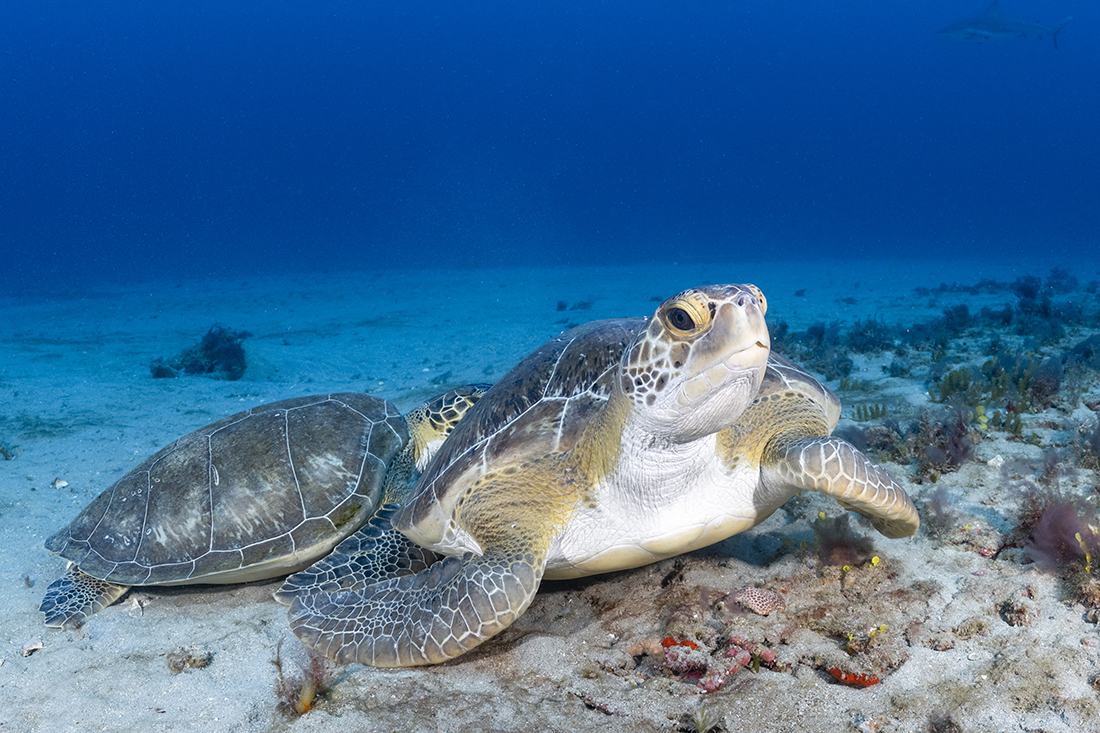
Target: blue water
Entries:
(148, 139)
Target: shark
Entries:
(992, 26)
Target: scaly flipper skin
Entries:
(75, 596)
(375, 553)
(834, 467)
(459, 602)
(426, 618)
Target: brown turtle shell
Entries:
(258, 494)
(784, 374)
(538, 408)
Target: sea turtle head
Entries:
(698, 363)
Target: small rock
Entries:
(187, 659)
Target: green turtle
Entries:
(256, 495)
(616, 444)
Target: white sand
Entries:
(77, 402)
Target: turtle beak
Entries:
(746, 362)
(727, 365)
(736, 342)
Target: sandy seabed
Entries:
(77, 402)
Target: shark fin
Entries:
(1057, 29)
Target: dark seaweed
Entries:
(1085, 354)
(946, 444)
(1062, 534)
(218, 355)
(939, 516)
(837, 545)
(1042, 389)
(869, 336)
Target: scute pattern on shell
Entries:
(783, 375)
(254, 487)
(539, 407)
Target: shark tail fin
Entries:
(1058, 29)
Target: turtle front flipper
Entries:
(375, 553)
(426, 618)
(462, 600)
(75, 596)
(834, 467)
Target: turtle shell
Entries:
(783, 374)
(538, 408)
(258, 494)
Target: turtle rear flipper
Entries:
(834, 467)
(426, 618)
(75, 596)
(375, 553)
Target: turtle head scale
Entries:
(698, 362)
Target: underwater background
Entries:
(148, 140)
(401, 198)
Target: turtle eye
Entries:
(679, 319)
